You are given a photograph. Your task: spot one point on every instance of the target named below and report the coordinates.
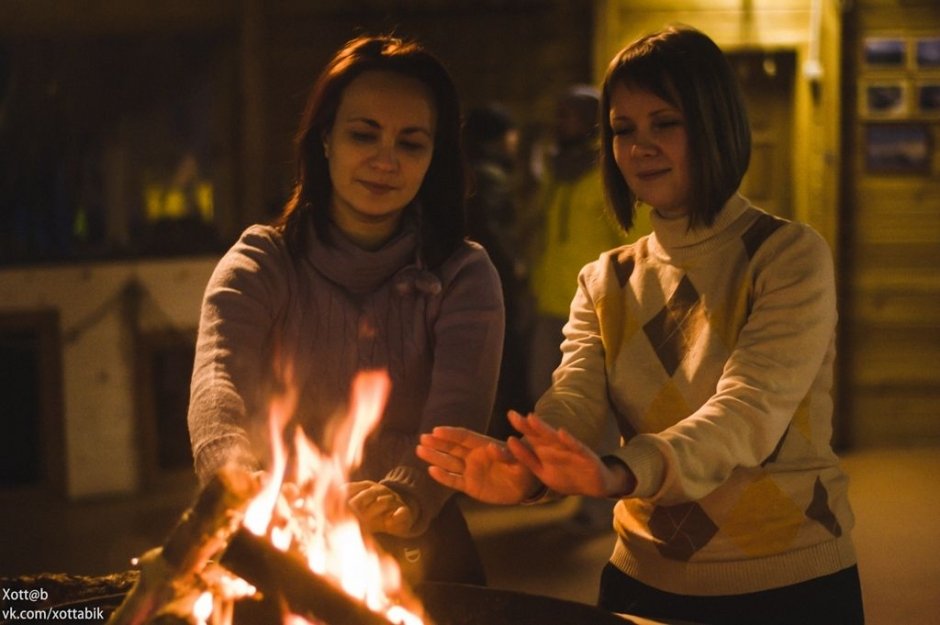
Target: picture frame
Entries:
(884, 52)
(897, 148)
(927, 52)
(927, 98)
(884, 98)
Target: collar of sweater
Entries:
(363, 271)
(672, 237)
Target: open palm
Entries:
(558, 459)
(475, 464)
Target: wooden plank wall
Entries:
(891, 309)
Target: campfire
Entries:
(285, 548)
(289, 539)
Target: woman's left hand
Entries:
(379, 508)
(562, 462)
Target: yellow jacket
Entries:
(576, 228)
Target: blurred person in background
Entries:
(491, 140)
(570, 227)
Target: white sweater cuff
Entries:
(647, 462)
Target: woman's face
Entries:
(379, 149)
(651, 149)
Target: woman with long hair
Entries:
(367, 268)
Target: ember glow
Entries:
(307, 513)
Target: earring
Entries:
(326, 150)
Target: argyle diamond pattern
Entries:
(763, 227)
(682, 530)
(820, 511)
(667, 332)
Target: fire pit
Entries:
(456, 604)
(444, 603)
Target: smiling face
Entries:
(651, 149)
(379, 150)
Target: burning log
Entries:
(172, 570)
(307, 594)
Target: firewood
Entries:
(279, 574)
(171, 570)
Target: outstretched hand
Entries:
(477, 465)
(562, 462)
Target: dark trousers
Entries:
(830, 600)
(444, 553)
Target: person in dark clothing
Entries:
(490, 140)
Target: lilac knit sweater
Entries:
(339, 310)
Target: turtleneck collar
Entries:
(673, 236)
(358, 270)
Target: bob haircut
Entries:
(439, 204)
(684, 67)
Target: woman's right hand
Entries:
(477, 465)
(379, 508)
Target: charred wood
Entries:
(279, 574)
(172, 570)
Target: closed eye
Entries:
(362, 137)
(669, 123)
(413, 146)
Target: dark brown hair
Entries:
(440, 201)
(684, 67)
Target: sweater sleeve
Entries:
(238, 312)
(468, 339)
(778, 355)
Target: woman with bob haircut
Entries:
(367, 268)
(681, 70)
(711, 342)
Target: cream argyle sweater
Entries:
(714, 351)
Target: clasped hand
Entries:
(379, 508)
(507, 473)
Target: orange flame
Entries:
(309, 513)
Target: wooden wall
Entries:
(891, 315)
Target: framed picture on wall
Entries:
(884, 52)
(897, 148)
(927, 52)
(927, 98)
(883, 98)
